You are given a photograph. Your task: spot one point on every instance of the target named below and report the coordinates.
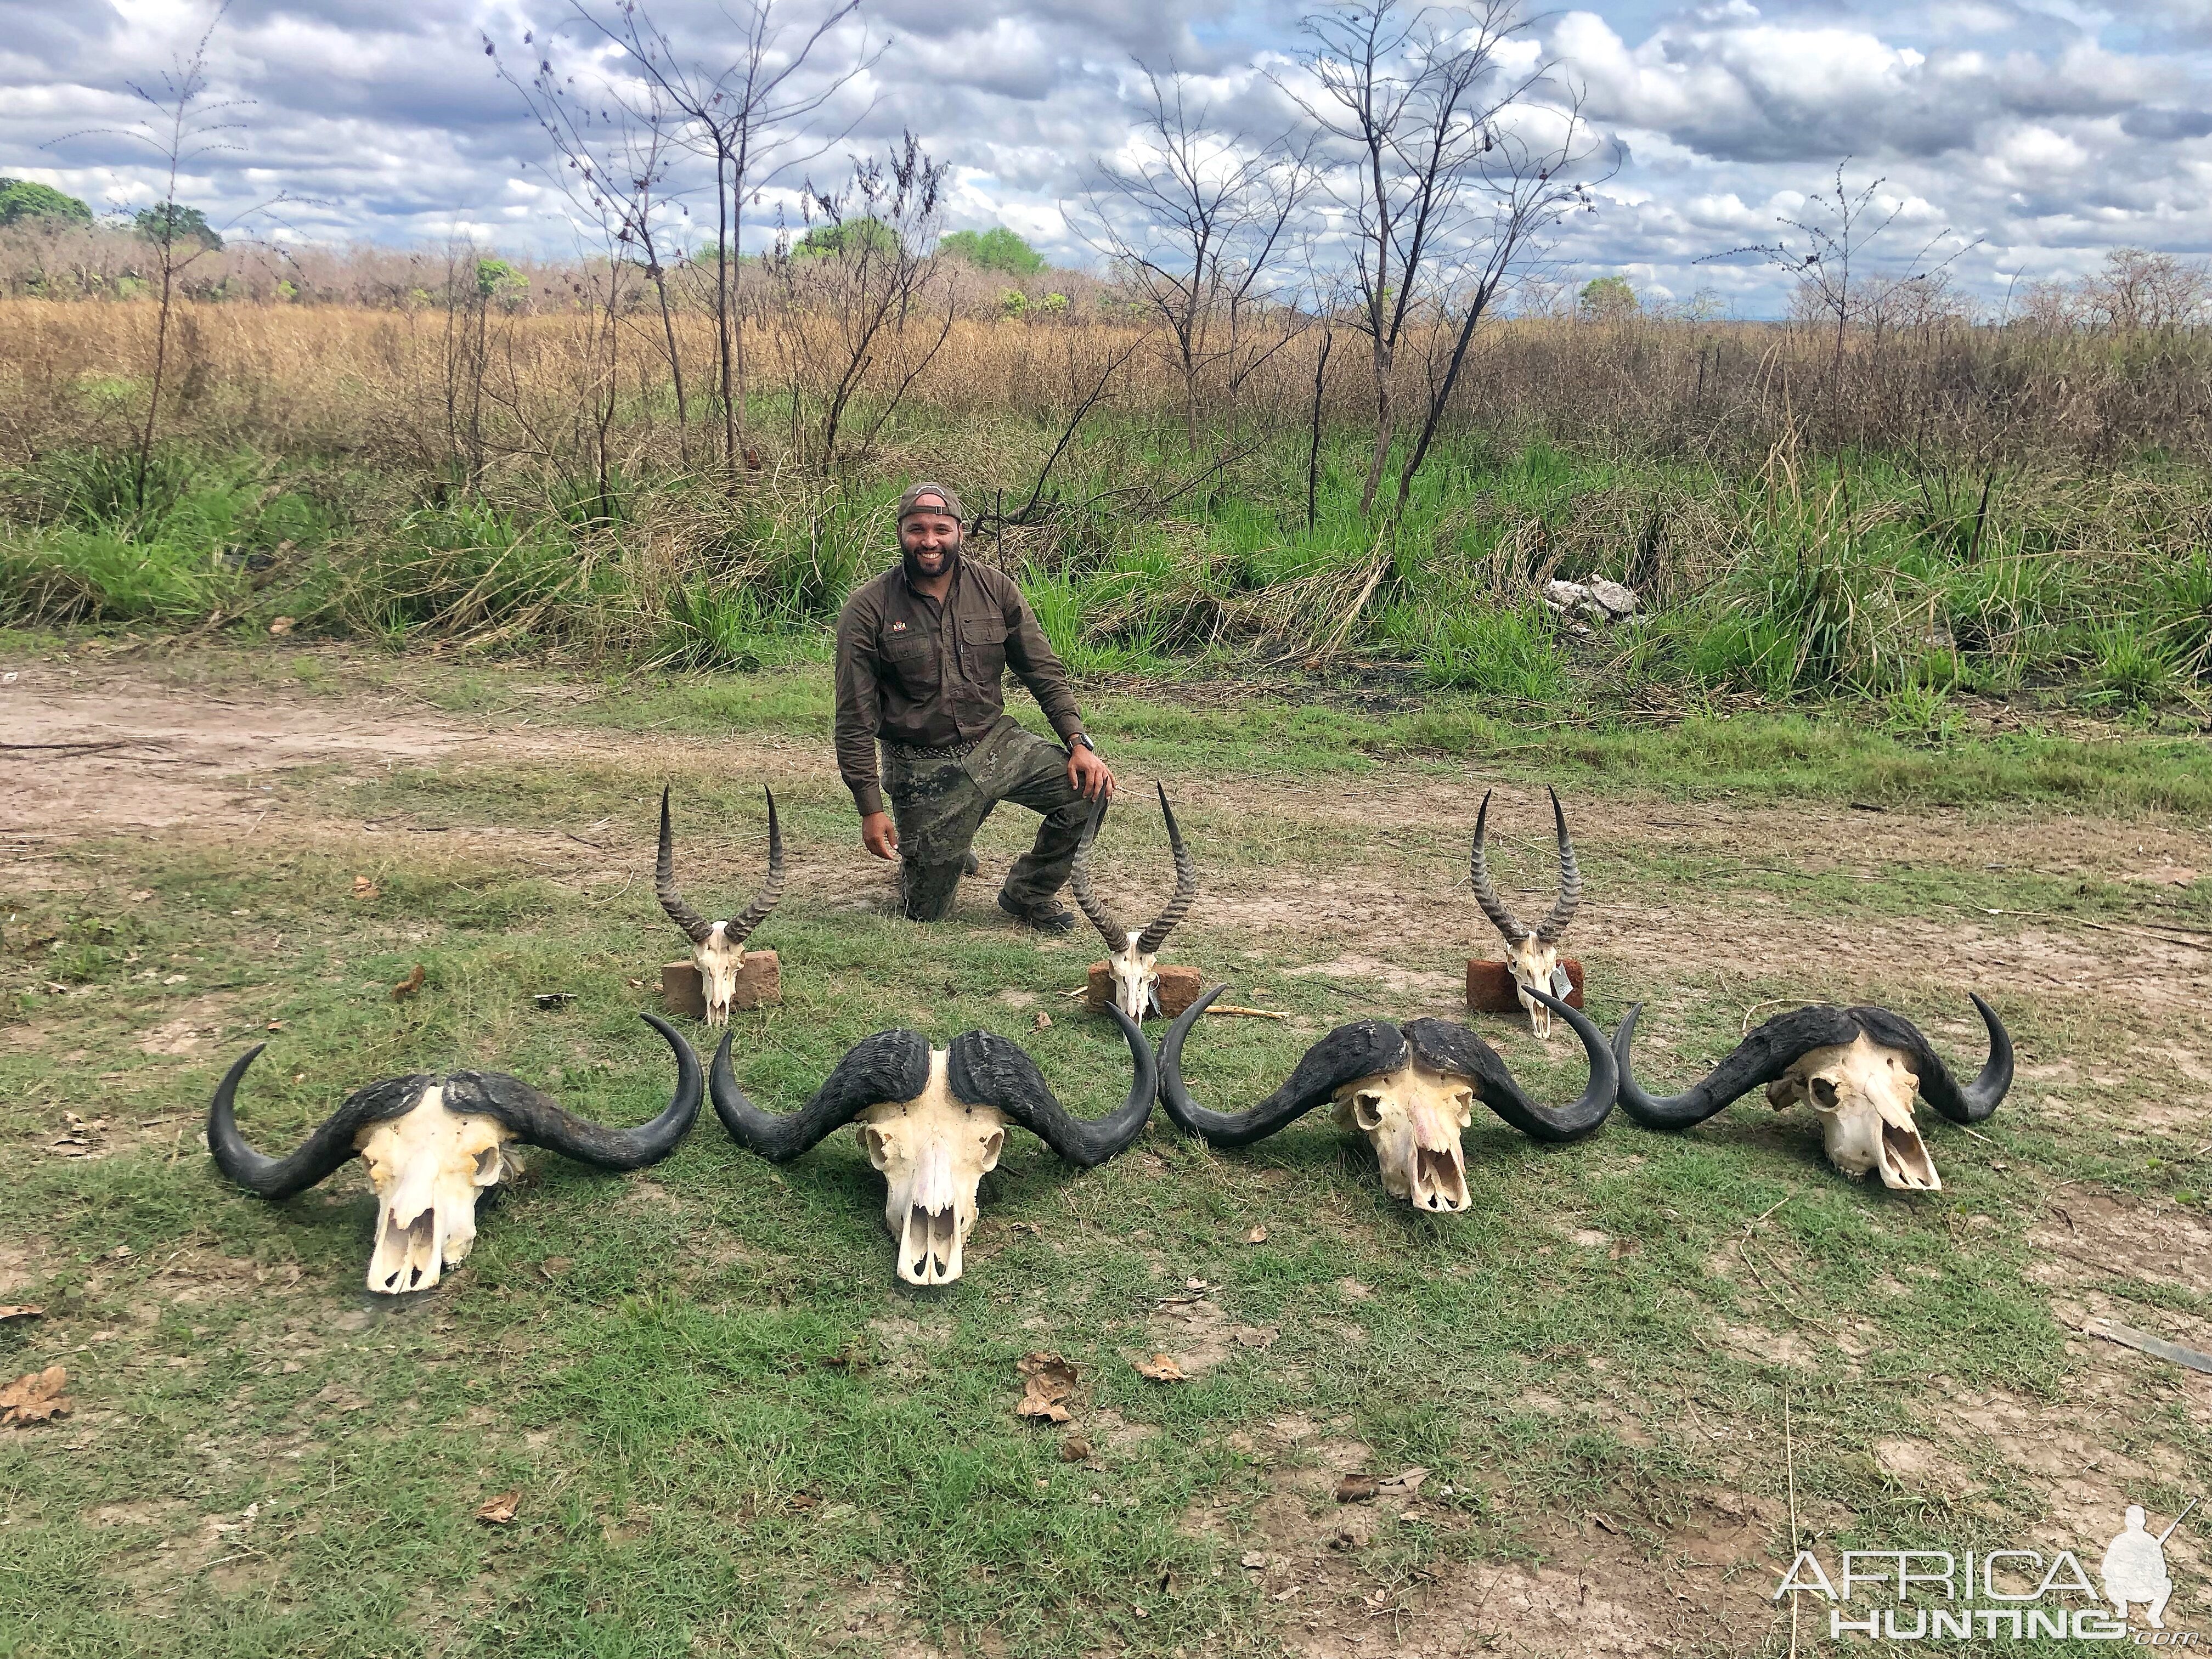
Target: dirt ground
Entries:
(88, 754)
(92, 754)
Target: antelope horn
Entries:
(989, 1070)
(887, 1066)
(1453, 1048)
(1079, 883)
(1186, 887)
(1361, 1050)
(696, 926)
(1763, 1056)
(1968, 1104)
(542, 1121)
(1571, 882)
(322, 1151)
(736, 933)
(1486, 891)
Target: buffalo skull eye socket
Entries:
(1824, 1095)
(1367, 1111)
(487, 1162)
(876, 1144)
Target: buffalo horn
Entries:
(321, 1152)
(989, 1070)
(1361, 1050)
(1444, 1047)
(890, 1066)
(1976, 1100)
(1761, 1058)
(541, 1120)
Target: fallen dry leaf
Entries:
(36, 1397)
(1257, 1236)
(363, 888)
(1404, 1483)
(499, 1510)
(1257, 1561)
(24, 1312)
(141, 896)
(280, 627)
(1356, 1489)
(1074, 1449)
(1161, 1367)
(1043, 1019)
(1049, 1385)
(408, 987)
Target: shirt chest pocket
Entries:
(910, 659)
(983, 647)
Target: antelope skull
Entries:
(1531, 956)
(434, 1146)
(934, 1122)
(1858, 1069)
(1409, 1089)
(1132, 954)
(718, 947)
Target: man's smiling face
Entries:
(930, 537)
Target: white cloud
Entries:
(2051, 130)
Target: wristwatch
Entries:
(1083, 738)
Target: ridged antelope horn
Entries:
(1571, 882)
(696, 926)
(1486, 891)
(1186, 887)
(736, 932)
(1079, 883)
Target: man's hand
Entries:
(1091, 777)
(878, 836)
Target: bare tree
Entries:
(1413, 104)
(751, 119)
(183, 127)
(2139, 290)
(613, 164)
(864, 303)
(1193, 225)
(1839, 233)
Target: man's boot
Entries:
(1046, 916)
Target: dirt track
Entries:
(100, 753)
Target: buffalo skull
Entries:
(1858, 1069)
(718, 947)
(434, 1146)
(934, 1121)
(1532, 955)
(1410, 1088)
(1133, 955)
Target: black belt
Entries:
(933, 751)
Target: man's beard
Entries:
(916, 575)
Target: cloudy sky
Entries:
(2042, 131)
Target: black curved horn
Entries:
(1186, 887)
(1360, 1049)
(538, 1118)
(1485, 890)
(1763, 1056)
(989, 1070)
(1976, 1100)
(1571, 881)
(739, 930)
(321, 1152)
(696, 926)
(1444, 1047)
(888, 1066)
(1078, 885)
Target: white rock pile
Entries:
(1599, 599)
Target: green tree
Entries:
(171, 223)
(22, 199)
(849, 236)
(1608, 299)
(996, 249)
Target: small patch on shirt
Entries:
(897, 627)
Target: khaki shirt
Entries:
(913, 671)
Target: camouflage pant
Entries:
(939, 804)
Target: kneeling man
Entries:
(922, 651)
